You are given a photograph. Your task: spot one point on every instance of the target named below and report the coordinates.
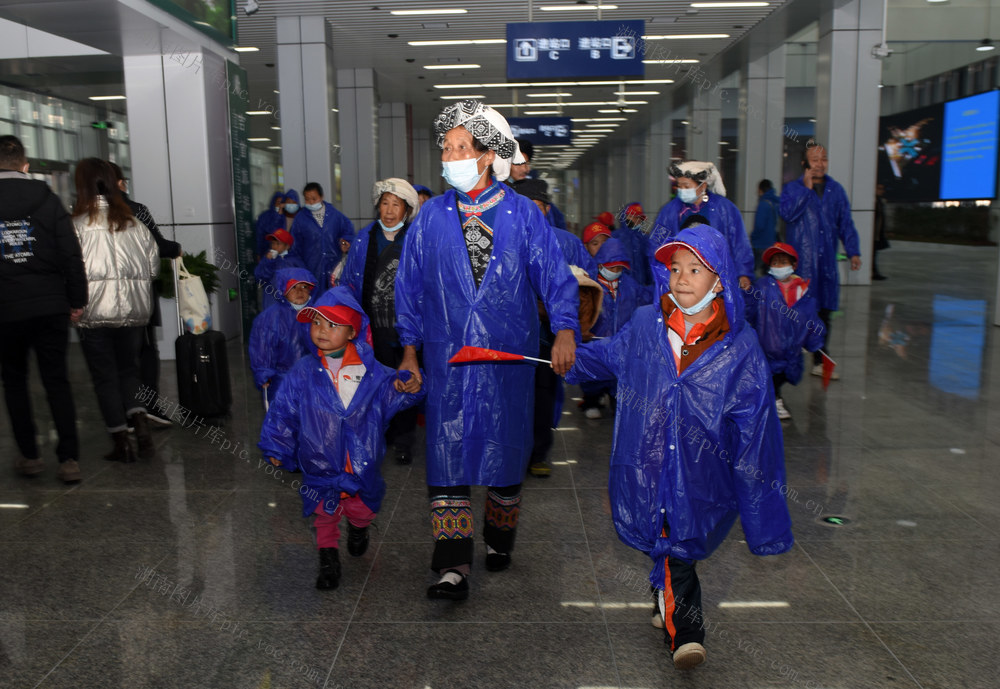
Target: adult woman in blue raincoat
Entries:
(277, 340)
(269, 221)
(317, 229)
(693, 450)
(817, 215)
(474, 264)
(700, 191)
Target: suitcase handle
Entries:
(177, 295)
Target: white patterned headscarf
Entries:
(487, 126)
(700, 172)
(397, 187)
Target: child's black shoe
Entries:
(452, 586)
(357, 540)
(329, 569)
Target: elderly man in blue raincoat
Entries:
(475, 263)
(817, 215)
(700, 191)
(317, 230)
(697, 440)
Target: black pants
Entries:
(546, 390)
(824, 315)
(452, 524)
(403, 426)
(149, 360)
(683, 620)
(112, 356)
(778, 379)
(49, 337)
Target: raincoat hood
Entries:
(611, 251)
(710, 245)
(341, 296)
(292, 195)
(281, 278)
(275, 198)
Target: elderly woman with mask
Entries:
(370, 273)
(700, 191)
(475, 263)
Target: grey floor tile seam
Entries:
(590, 557)
(361, 592)
(98, 623)
(58, 495)
(861, 617)
(955, 507)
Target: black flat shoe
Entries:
(445, 590)
(497, 562)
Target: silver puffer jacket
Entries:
(120, 269)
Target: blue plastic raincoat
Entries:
(765, 221)
(353, 274)
(813, 225)
(319, 247)
(721, 213)
(307, 426)
(629, 294)
(277, 340)
(479, 416)
(574, 251)
(269, 267)
(697, 449)
(268, 222)
(555, 217)
(636, 247)
(783, 330)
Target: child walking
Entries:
(278, 257)
(697, 442)
(784, 313)
(329, 421)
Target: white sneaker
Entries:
(817, 370)
(689, 656)
(593, 413)
(657, 620)
(782, 412)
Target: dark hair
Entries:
(313, 186)
(527, 148)
(478, 146)
(765, 185)
(696, 219)
(95, 178)
(119, 174)
(12, 156)
(810, 144)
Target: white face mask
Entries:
(299, 307)
(608, 274)
(688, 195)
(314, 206)
(462, 174)
(781, 273)
(291, 207)
(700, 306)
(394, 228)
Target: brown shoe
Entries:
(143, 435)
(121, 451)
(30, 467)
(69, 471)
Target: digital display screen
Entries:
(969, 163)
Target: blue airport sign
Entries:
(542, 131)
(563, 50)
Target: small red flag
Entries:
(828, 366)
(467, 355)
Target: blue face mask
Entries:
(314, 206)
(700, 306)
(277, 208)
(609, 275)
(462, 174)
(688, 195)
(291, 207)
(394, 228)
(782, 273)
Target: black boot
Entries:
(143, 436)
(121, 451)
(329, 569)
(357, 540)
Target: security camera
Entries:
(251, 7)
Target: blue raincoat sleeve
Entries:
(261, 347)
(409, 287)
(353, 275)
(555, 217)
(575, 252)
(280, 430)
(599, 360)
(551, 277)
(846, 232)
(736, 236)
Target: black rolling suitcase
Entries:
(202, 370)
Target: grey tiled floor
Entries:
(99, 582)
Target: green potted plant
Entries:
(196, 264)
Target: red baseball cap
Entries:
(338, 315)
(291, 283)
(605, 218)
(618, 264)
(780, 248)
(281, 235)
(635, 209)
(664, 253)
(595, 229)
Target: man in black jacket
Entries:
(149, 355)
(43, 284)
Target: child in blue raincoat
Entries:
(268, 221)
(783, 311)
(277, 341)
(329, 420)
(277, 257)
(622, 296)
(697, 442)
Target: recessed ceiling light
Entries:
(542, 112)
(107, 97)
(985, 45)
(682, 36)
(637, 93)
(455, 65)
(277, 129)
(711, 5)
(599, 119)
(258, 138)
(259, 112)
(575, 8)
(277, 91)
(246, 49)
(429, 11)
(617, 110)
(478, 41)
(557, 94)
(274, 148)
(600, 125)
(467, 97)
